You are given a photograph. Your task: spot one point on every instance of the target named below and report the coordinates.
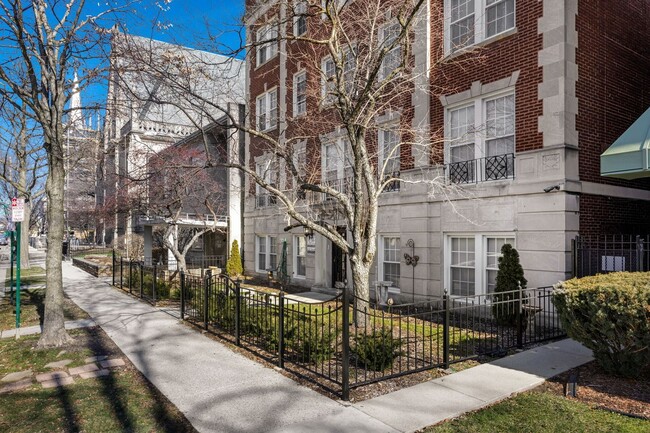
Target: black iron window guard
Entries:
(482, 169)
(263, 200)
(394, 184)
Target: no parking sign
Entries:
(17, 209)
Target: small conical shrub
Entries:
(234, 267)
(506, 295)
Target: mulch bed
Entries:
(605, 391)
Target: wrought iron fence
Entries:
(482, 169)
(81, 250)
(346, 342)
(152, 283)
(606, 253)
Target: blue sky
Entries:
(212, 25)
(191, 20)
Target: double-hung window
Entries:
(299, 256)
(337, 164)
(393, 57)
(389, 155)
(269, 174)
(267, 110)
(267, 43)
(473, 263)
(472, 21)
(481, 139)
(300, 18)
(390, 259)
(266, 253)
(300, 93)
(328, 73)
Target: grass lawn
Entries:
(122, 401)
(32, 309)
(542, 412)
(33, 275)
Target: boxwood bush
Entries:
(609, 314)
(377, 350)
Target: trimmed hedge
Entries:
(609, 314)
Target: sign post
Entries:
(17, 216)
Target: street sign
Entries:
(17, 209)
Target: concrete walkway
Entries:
(36, 329)
(221, 391)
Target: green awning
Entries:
(629, 156)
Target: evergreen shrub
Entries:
(506, 292)
(377, 350)
(609, 314)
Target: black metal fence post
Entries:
(445, 330)
(154, 281)
(281, 330)
(121, 272)
(237, 312)
(182, 277)
(113, 269)
(520, 325)
(206, 298)
(141, 279)
(639, 254)
(574, 257)
(131, 277)
(345, 373)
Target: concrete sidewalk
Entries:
(221, 391)
(36, 329)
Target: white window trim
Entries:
(295, 93)
(342, 162)
(380, 256)
(299, 4)
(266, 97)
(271, 45)
(296, 275)
(325, 97)
(269, 172)
(479, 27)
(393, 126)
(480, 259)
(480, 138)
(267, 244)
(381, 38)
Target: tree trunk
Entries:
(24, 238)
(361, 285)
(54, 333)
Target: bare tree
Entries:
(182, 195)
(23, 165)
(42, 41)
(360, 67)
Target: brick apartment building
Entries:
(520, 100)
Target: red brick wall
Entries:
(492, 62)
(613, 215)
(319, 120)
(613, 58)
